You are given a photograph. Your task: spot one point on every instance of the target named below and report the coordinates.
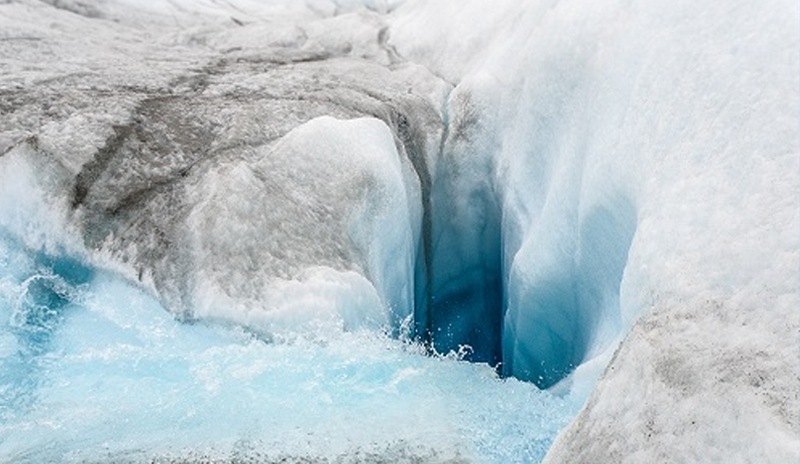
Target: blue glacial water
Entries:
(93, 369)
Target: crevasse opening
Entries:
(466, 293)
(536, 329)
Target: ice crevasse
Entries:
(575, 191)
(631, 170)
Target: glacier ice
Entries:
(179, 184)
(568, 192)
(564, 308)
(466, 289)
(260, 254)
(645, 158)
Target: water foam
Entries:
(118, 378)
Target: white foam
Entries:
(123, 380)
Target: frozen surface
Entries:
(216, 165)
(645, 160)
(211, 240)
(261, 255)
(576, 191)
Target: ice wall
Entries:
(270, 169)
(466, 294)
(543, 179)
(645, 160)
(532, 237)
(317, 229)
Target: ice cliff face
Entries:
(555, 185)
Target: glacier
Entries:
(645, 160)
(399, 231)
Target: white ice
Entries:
(614, 198)
(646, 160)
(259, 219)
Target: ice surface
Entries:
(646, 161)
(270, 233)
(574, 190)
(216, 183)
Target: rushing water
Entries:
(93, 369)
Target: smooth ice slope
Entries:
(645, 157)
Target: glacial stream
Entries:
(93, 369)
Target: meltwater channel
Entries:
(93, 369)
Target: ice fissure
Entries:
(181, 176)
(245, 211)
(535, 318)
(465, 290)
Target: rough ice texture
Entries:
(326, 200)
(194, 159)
(609, 171)
(645, 157)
